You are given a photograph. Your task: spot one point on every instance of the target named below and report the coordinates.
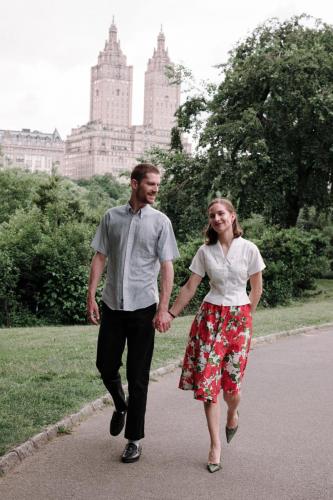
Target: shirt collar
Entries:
(140, 212)
(233, 245)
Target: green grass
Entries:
(49, 372)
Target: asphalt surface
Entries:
(283, 449)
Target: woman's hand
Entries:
(256, 290)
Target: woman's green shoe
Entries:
(214, 467)
(231, 432)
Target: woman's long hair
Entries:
(211, 235)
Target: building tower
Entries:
(160, 98)
(111, 85)
(109, 143)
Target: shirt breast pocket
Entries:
(146, 244)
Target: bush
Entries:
(46, 225)
(18, 189)
(254, 226)
(45, 269)
(319, 223)
(64, 257)
(9, 278)
(294, 259)
(19, 238)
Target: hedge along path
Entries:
(64, 426)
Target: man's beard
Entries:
(143, 198)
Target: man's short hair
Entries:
(141, 170)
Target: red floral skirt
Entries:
(217, 350)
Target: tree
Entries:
(9, 277)
(102, 192)
(18, 189)
(268, 138)
(45, 234)
(60, 200)
(176, 140)
(185, 190)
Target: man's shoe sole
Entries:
(130, 460)
(116, 428)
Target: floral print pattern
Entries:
(217, 350)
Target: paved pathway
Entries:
(283, 449)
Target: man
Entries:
(136, 241)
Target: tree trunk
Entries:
(293, 209)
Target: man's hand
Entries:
(96, 269)
(162, 321)
(92, 311)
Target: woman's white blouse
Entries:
(228, 274)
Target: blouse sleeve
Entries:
(198, 263)
(100, 242)
(256, 262)
(167, 245)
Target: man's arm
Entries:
(161, 319)
(96, 270)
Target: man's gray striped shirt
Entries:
(135, 244)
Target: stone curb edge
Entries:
(64, 426)
(272, 337)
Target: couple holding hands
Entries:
(137, 242)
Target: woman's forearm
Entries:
(256, 290)
(185, 295)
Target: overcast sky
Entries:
(48, 47)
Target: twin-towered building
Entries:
(109, 143)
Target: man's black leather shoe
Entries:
(132, 453)
(117, 422)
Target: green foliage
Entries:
(47, 225)
(60, 201)
(294, 259)
(266, 131)
(185, 191)
(64, 260)
(322, 224)
(17, 190)
(101, 192)
(9, 278)
(176, 142)
(254, 226)
(19, 238)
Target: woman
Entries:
(220, 336)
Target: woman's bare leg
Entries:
(232, 401)
(213, 415)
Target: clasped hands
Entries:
(162, 321)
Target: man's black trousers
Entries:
(137, 329)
